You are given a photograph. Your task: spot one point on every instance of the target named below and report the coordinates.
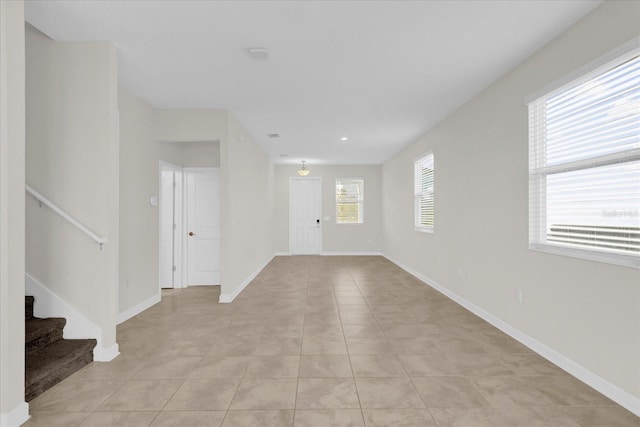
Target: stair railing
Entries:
(48, 203)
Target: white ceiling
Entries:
(379, 72)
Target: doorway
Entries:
(305, 213)
(190, 232)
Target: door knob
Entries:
(191, 233)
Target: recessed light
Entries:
(344, 138)
(258, 52)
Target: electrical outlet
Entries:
(520, 296)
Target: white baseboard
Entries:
(337, 253)
(613, 392)
(16, 417)
(106, 354)
(356, 253)
(227, 298)
(138, 308)
(48, 304)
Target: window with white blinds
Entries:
(424, 195)
(349, 201)
(584, 165)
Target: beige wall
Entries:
(184, 138)
(138, 219)
(336, 238)
(190, 125)
(586, 311)
(12, 213)
(170, 152)
(246, 180)
(201, 154)
(194, 138)
(72, 159)
(191, 154)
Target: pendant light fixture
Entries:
(304, 171)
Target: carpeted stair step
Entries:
(40, 333)
(28, 307)
(53, 363)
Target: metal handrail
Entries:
(48, 203)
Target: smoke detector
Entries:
(258, 52)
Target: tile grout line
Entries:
(355, 383)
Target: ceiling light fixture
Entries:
(344, 138)
(304, 171)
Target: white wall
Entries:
(587, 312)
(13, 409)
(138, 219)
(336, 238)
(247, 188)
(72, 159)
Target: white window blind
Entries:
(424, 194)
(584, 165)
(349, 201)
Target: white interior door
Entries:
(203, 226)
(305, 214)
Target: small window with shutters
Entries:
(584, 165)
(424, 194)
(349, 201)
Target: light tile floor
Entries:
(321, 341)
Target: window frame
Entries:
(538, 172)
(360, 201)
(418, 194)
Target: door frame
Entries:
(178, 219)
(305, 179)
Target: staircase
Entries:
(49, 357)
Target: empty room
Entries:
(320, 213)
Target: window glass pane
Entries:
(595, 208)
(349, 201)
(426, 211)
(597, 117)
(424, 193)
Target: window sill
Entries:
(623, 260)
(424, 230)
